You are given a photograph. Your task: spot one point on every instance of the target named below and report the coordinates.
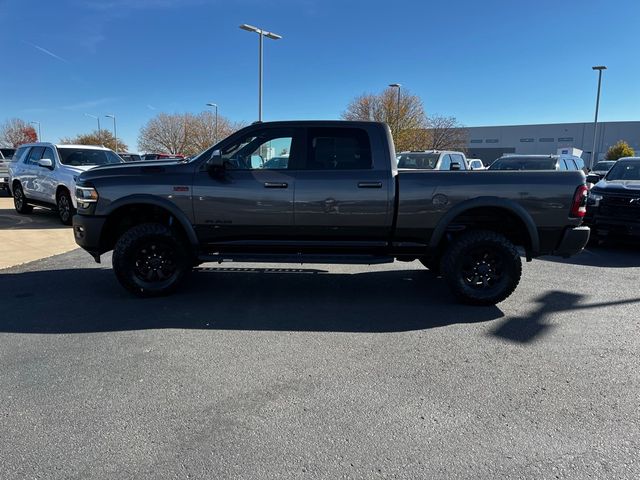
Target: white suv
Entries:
(45, 174)
(432, 160)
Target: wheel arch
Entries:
(140, 208)
(513, 210)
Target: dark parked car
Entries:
(601, 168)
(130, 157)
(538, 162)
(613, 206)
(341, 199)
(162, 156)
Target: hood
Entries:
(78, 169)
(132, 169)
(618, 186)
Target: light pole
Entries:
(594, 157)
(261, 33)
(99, 131)
(216, 107)
(397, 85)
(39, 134)
(115, 132)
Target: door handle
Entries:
(275, 185)
(369, 184)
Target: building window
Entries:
(545, 139)
(565, 139)
(491, 140)
(476, 141)
(526, 140)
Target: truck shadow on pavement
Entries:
(85, 300)
(611, 254)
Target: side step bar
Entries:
(295, 258)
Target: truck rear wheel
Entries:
(482, 267)
(150, 261)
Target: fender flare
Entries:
(513, 207)
(140, 198)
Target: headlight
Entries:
(86, 195)
(594, 199)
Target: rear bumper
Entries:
(573, 241)
(87, 231)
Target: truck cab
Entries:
(432, 160)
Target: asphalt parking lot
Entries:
(272, 371)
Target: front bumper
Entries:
(87, 231)
(573, 241)
(604, 226)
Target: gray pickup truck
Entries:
(334, 195)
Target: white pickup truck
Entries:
(432, 160)
(44, 174)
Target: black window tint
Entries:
(34, 155)
(445, 163)
(338, 149)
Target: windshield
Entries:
(80, 157)
(418, 160)
(516, 163)
(603, 166)
(625, 171)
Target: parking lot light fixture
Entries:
(99, 130)
(39, 134)
(261, 33)
(115, 132)
(398, 86)
(594, 157)
(216, 127)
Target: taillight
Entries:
(579, 206)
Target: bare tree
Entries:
(185, 133)
(406, 118)
(165, 133)
(101, 138)
(15, 132)
(446, 133)
(203, 132)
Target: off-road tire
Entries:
(20, 201)
(481, 267)
(150, 250)
(65, 207)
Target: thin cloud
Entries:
(151, 107)
(47, 52)
(90, 103)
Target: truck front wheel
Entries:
(150, 261)
(482, 267)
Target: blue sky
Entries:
(487, 63)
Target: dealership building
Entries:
(489, 143)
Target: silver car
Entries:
(44, 174)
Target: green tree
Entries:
(102, 138)
(619, 150)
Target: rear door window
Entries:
(338, 149)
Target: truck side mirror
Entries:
(454, 166)
(593, 178)
(46, 163)
(215, 161)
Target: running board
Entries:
(296, 258)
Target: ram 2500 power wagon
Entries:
(335, 195)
